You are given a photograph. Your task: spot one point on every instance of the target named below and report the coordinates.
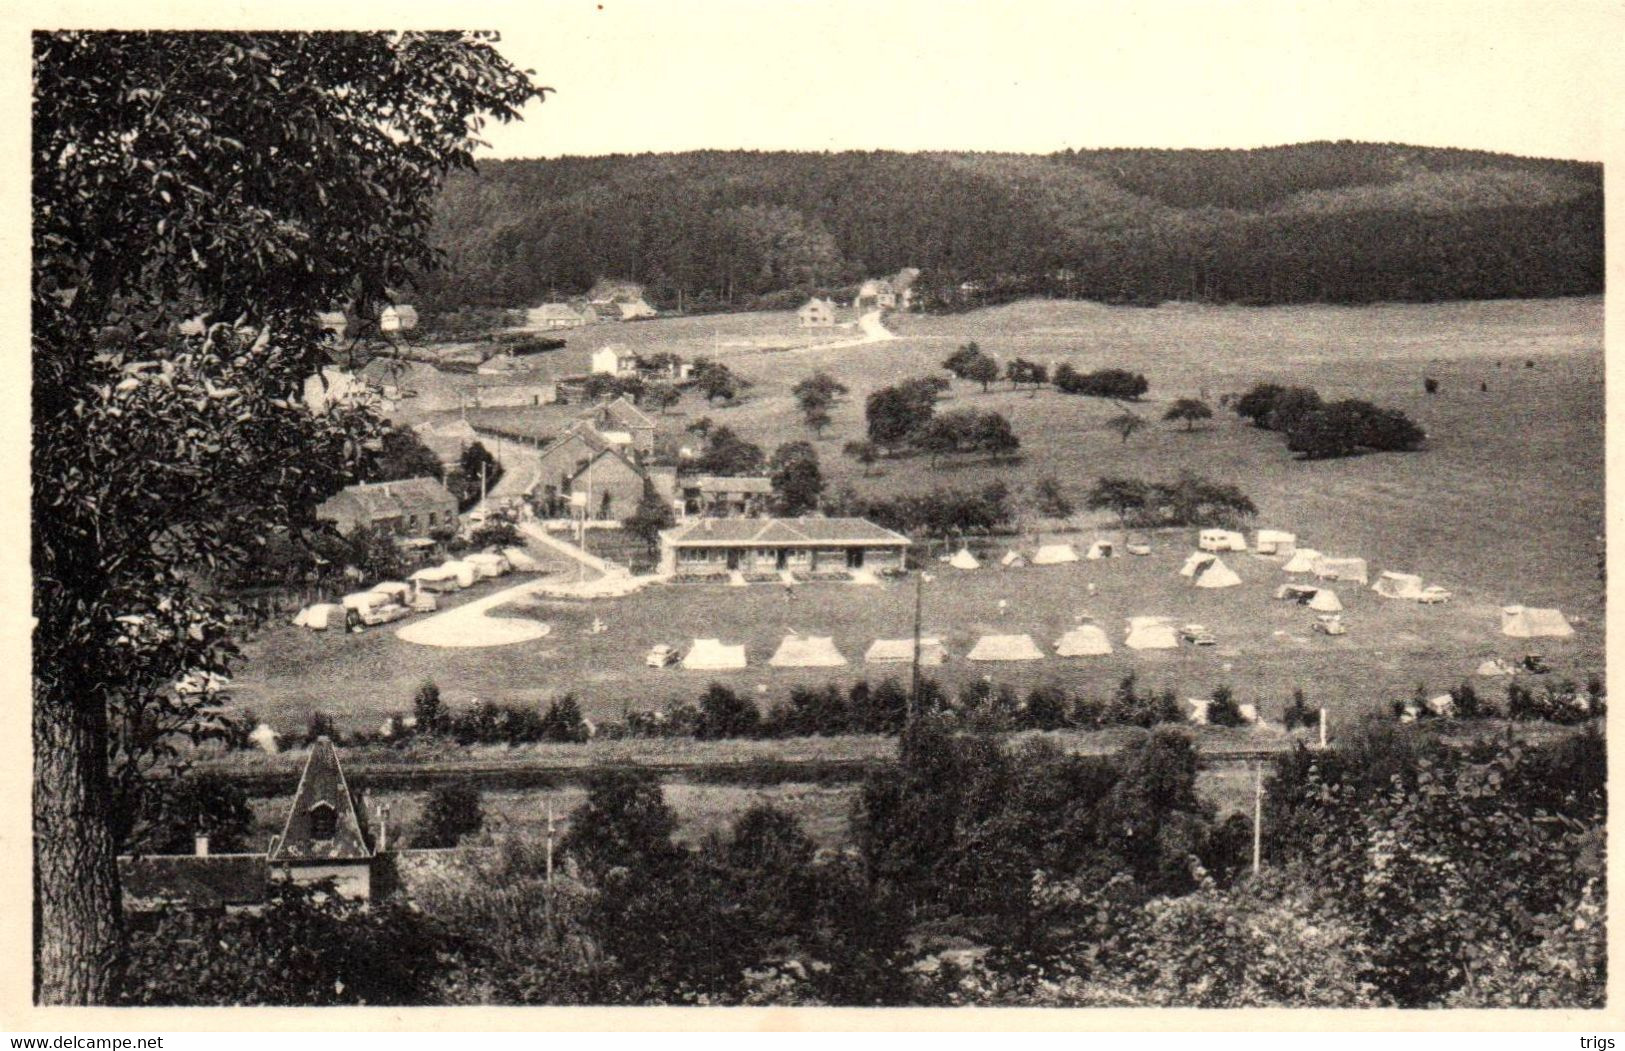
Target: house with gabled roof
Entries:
(620, 416)
(817, 313)
(406, 507)
(705, 494)
(718, 546)
(323, 837)
(557, 315)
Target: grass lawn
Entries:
(1503, 506)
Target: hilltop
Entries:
(1321, 222)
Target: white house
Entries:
(614, 360)
(398, 318)
(817, 313)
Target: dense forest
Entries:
(1331, 222)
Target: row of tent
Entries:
(394, 599)
(1043, 555)
(819, 651)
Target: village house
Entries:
(558, 315)
(614, 360)
(323, 838)
(398, 318)
(817, 313)
(718, 546)
(447, 439)
(724, 497)
(620, 416)
(405, 507)
(888, 293)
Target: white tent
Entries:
(1199, 707)
(265, 739)
(807, 651)
(1054, 554)
(302, 617)
(1352, 570)
(521, 560)
(1151, 633)
(1101, 549)
(1526, 622)
(1013, 560)
(1085, 640)
(1249, 713)
(463, 572)
(1216, 575)
(1299, 593)
(1194, 564)
(1274, 542)
(1496, 666)
(963, 559)
(1005, 648)
(1443, 705)
(901, 651)
(320, 616)
(712, 655)
(1398, 585)
(1326, 601)
(1221, 540)
(1302, 561)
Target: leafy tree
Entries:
(662, 396)
(402, 454)
(968, 431)
(1119, 384)
(623, 823)
(1222, 709)
(730, 455)
(864, 452)
(563, 721)
(896, 414)
(817, 417)
(1123, 497)
(372, 550)
(251, 179)
(1257, 403)
(797, 481)
(200, 804)
(820, 388)
(717, 382)
(1020, 370)
(983, 369)
(724, 714)
(453, 811)
(428, 710)
(652, 515)
(1190, 410)
(496, 533)
(1050, 498)
(1125, 425)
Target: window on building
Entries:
(323, 821)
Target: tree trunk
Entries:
(77, 911)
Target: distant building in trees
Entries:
(406, 507)
(817, 313)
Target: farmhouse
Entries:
(705, 494)
(407, 507)
(558, 315)
(398, 318)
(614, 360)
(323, 838)
(817, 313)
(716, 546)
(632, 309)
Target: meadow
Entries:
(1503, 505)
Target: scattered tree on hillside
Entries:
(661, 396)
(797, 481)
(897, 414)
(864, 452)
(968, 431)
(1123, 497)
(728, 454)
(1119, 384)
(814, 395)
(716, 381)
(1273, 407)
(601, 386)
(1430, 385)
(1344, 427)
(1050, 499)
(1125, 425)
(1020, 370)
(1190, 410)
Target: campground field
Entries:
(1504, 505)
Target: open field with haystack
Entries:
(1504, 505)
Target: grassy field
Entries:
(1503, 506)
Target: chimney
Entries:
(383, 829)
(202, 846)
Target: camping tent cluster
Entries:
(819, 651)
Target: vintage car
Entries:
(1198, 635)
(1330, 625)
(662, 656)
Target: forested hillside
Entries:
(1334, 222)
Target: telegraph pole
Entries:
(914, 672)
(1258, 815)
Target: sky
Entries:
(1534, 77)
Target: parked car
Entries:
(662, 656)
(1198, 635)
(1138, 547)
(1330, 626)
(1433, 595)
(1534, 662)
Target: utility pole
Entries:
(914, 673)
(1323, 728)
(1258, 815)
(547, 885)
(482, 483)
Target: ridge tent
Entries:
(301, 617)
(1326, 601)
(1195, 564)
(1054, 554)
(1199, 707)
(807, 651)
(1221, 540)
(1443, 705)
(1013, 560)
(963, 559)
(901, 651)
(1151, 633)
(712, 655)
(1302, 561)
(1005, 648)
(1216, 575)
(1100, 549)
(520, 560)
(1398, 585)
(1085, 640)
(1274, 542)
(1352, 570)
(1526, 622)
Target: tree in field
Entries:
(652, 514)
(661, 396)
(1020, 370)
(820, 386)
(717, 381)
(454, 810)
(728, 454)
(864, 452)
(797, 481)
(402, 454)
(896, 414)
(1190, 410)
(1121, 496)
(1126, 424)
(623, 823)
(477, 471)
(428, 710)
(250, 180)
(1050, 499)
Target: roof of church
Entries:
(321, 784)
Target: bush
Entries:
(1104, 383)
(453, 811)
(723, 713)
(1222, 710)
